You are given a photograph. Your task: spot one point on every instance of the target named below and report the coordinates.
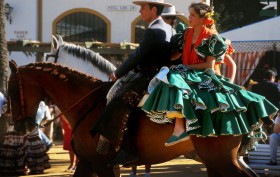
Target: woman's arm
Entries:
(231, 66)
(209, 63)
(175, 55)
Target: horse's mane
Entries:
(61, 72)
(88, 56)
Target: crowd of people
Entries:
(184, 84)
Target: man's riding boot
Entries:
(112, 122)
(124, 158)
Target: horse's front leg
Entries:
(245, 167)
(220, 155)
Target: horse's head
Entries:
(79, 58)
(23, 112)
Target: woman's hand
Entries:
(175, 55)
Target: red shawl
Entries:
(189, 55)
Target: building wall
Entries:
(27, 23)
(112, 9)
(24, 20)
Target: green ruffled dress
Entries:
(211, 105)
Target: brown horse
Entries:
(82, 98)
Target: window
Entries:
(81, 27)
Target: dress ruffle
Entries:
(21, 152)
(211, 105)
(214, 46)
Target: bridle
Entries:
(53, 55)
(22, 105)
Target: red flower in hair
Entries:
(208, 21)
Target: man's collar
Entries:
(154, 21)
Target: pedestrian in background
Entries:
(2, 101)
(271, 91)
(42, 113)
(67, 137)
(147, 171)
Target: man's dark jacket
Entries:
(270, 90)
(153, 51)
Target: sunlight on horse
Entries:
(79, 58)
(82, 98)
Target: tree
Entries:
(3, 51)
(231, 14)
(3, 66)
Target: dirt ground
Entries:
(179, 167)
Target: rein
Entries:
(21, 97)
(70, 107)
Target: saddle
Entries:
(131, 98)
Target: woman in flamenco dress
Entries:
(194, 98)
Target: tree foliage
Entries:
(231, 14)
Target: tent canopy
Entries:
(267, 30)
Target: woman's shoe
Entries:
(184, 136)
(172, 140)
(177, 139)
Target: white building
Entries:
(111, 21)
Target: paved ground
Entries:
(179, 167)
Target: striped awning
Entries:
(247, 56)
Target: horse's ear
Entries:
(60, 40)
(13, 66)
(54, 43)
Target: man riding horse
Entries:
(134, 74)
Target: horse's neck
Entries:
(81, 65)
(87, 100)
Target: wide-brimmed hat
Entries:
(170, 11)
(160, 2)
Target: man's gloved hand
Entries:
(112, 77)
